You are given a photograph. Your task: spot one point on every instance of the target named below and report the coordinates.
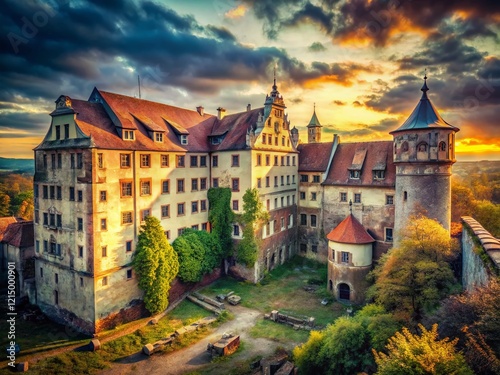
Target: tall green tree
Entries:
(411, 354)
(221, 217)
(156, 264)
(413, 278)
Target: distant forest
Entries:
(16, 195)
(17, 165)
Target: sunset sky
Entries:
(361, 62)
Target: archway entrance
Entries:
(344, 291)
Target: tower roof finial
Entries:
(424, 88)
(274, 84)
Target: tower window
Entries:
(388, 234)
(405, 195)
(422, 147)
(442, 146)
(404, 146)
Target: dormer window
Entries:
(158, 137)
(184, 139)
(378, 175)
(354, 174)
(128, 135)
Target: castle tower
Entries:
(314, 129)
(350, 253)
(424, 152)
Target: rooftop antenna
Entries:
(139, 84)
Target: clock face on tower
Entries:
(276, 127)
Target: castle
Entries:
(110, 161)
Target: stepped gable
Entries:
(350, 231)
(314, 157)
(377, 156)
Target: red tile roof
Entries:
(350, 231)
(4, 224)
(19, 234)
(378, 155)
(235, 127)
(314, 157)
(142, 115)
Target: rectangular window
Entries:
(145, 187)
(126, 188)
(304, 178)
(235, 160)
(388, 235)
(45, 190)
(203, 161)
(215, 182)
(215, 161)
(37, 246)
(165, 211)
(282, 161)
(180, 161)
(80, 224)
(288, 160)
(45, 246)
(180, 209)
(264, 138)
(59, 220)
(293, 160)
(378, 175)
(343, 197)
(303, 219)
(293, 179)
(268, 160)
(288, 180)
(167, 234)
(357, 198)
(45, 218)
(282, 180)
(59, 192)
(313, 221)
(128, 246)
(80, 251)
(165, 161)
(268, 204)
(35, 191)
(145, 213)
(81, 281)
(302, 195)
(194, 184)
(275, 141)
(44, 161)
(100, 160)
(203, 205)
(128, 135)
(59, 161)
(127, 217)
(270, 139)
(259, 159)
(275, 181)
(282, 223)
(314, 248)
(104, 224)
(204, 226)
(71, 193)
(158, 137)
(66, 131)
(53, 160)
(104, 251)
(235, 184)
(104, 281)
(52, 192)
(145, 160)
(184, 139)
(180, 185)
(354, 174)
(194, 161)
(72, 157)
(267, 181)
(316, 179)
(80, 195)
(79, 160)
(313, 196)
(129, 274)
(203, 183)
(52, 222)
(194, 207)
(236, 230)
(165, 187)
(180, 231)
(344, 257)
(235, 205)
(389, 199)
(275, 160)
(103, 195)
(125, 160)
(195, 227)
(259, 183)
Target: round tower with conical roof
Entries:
(424, 152)
(314, 129)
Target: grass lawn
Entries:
(282, 289)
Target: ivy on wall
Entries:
(221, 217)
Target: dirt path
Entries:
(195, 356)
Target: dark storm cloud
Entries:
(377, 21)
(338, 102)
(20, 124)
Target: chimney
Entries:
(221, 113)
(249, 107)
(200, 110)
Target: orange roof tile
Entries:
(350, 231)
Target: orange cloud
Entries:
(237, 12)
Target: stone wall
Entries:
(480, 254)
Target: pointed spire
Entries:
(424, 88)
(314, 119)
(274, 85)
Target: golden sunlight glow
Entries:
(471, 145)
(237, 12)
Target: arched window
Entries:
(442, 146)
(344, 292)
(422, 147)
(404, 146)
